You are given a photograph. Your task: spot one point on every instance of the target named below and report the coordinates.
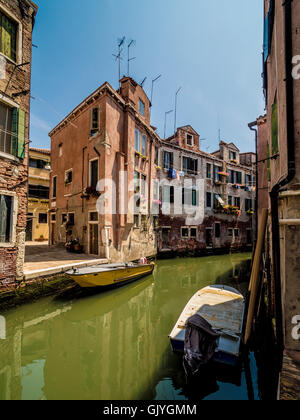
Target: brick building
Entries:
(108, 137)
(207, 199)
(278, 141)
(16, 25)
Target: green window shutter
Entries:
(19, 130)
(14, 129)
(21, 134)
(8, 37)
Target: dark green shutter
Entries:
(8, 38)
(19, 130)
(21, 134)
(268, 162)
(14, 129)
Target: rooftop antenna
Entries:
(166, 113)
(142, 84)
(175, 119)
(118, 57)
(153, 81)
(131, 43)
(200, 140)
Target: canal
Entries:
(114, 345)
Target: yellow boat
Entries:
(109, 275)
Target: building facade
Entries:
(281, 146)
(16, 25)
(37, 228)
(208, 200)
(103, 158)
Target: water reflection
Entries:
(115, 345)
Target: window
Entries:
(136, 219)
(53, 217)
(168, 160)
(189, 196)
(94, 176)
(12, 120)
(8, 37)
(137, 140)
(232, 155)
(64, 218)
(144, 145)
(143, 185)
(230, 200)
(38, 191)
(217, 230)
(189, 140)
(193, 233)
(136, 182)
(6, 212)
(248, 179)
(43, 218)
(208, 171)
(232, 177)
(237, 202)
(248, 204)
(71, 219)
(217, 169)
(68, 176)
(95, 121)
(38, 163)
(6, 128)
(168, 194)
(185, 233)
(54, 185)
(230, 232)
(142, 107)
(93, 216)
(236, 233)
(190, 166)
(239, 177)
(208, 200)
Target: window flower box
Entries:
(234, 161)
(250, 212)
(223, 173)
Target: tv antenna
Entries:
(131, 43)
(118, 57)
(153, 81)
(175, 118)
(200, 140)
(142, 84)
(166, 113)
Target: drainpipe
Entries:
(290, 175)
(251, 126)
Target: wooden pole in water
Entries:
(254, 280)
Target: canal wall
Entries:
(33, 290)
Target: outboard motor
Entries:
(199, 345)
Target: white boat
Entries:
(223, 307)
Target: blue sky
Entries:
(210, 48)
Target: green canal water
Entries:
(115, 345)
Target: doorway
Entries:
(29, 227)
(209, 237)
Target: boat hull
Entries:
(219, 356)
(112, 278)
(223, 307)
